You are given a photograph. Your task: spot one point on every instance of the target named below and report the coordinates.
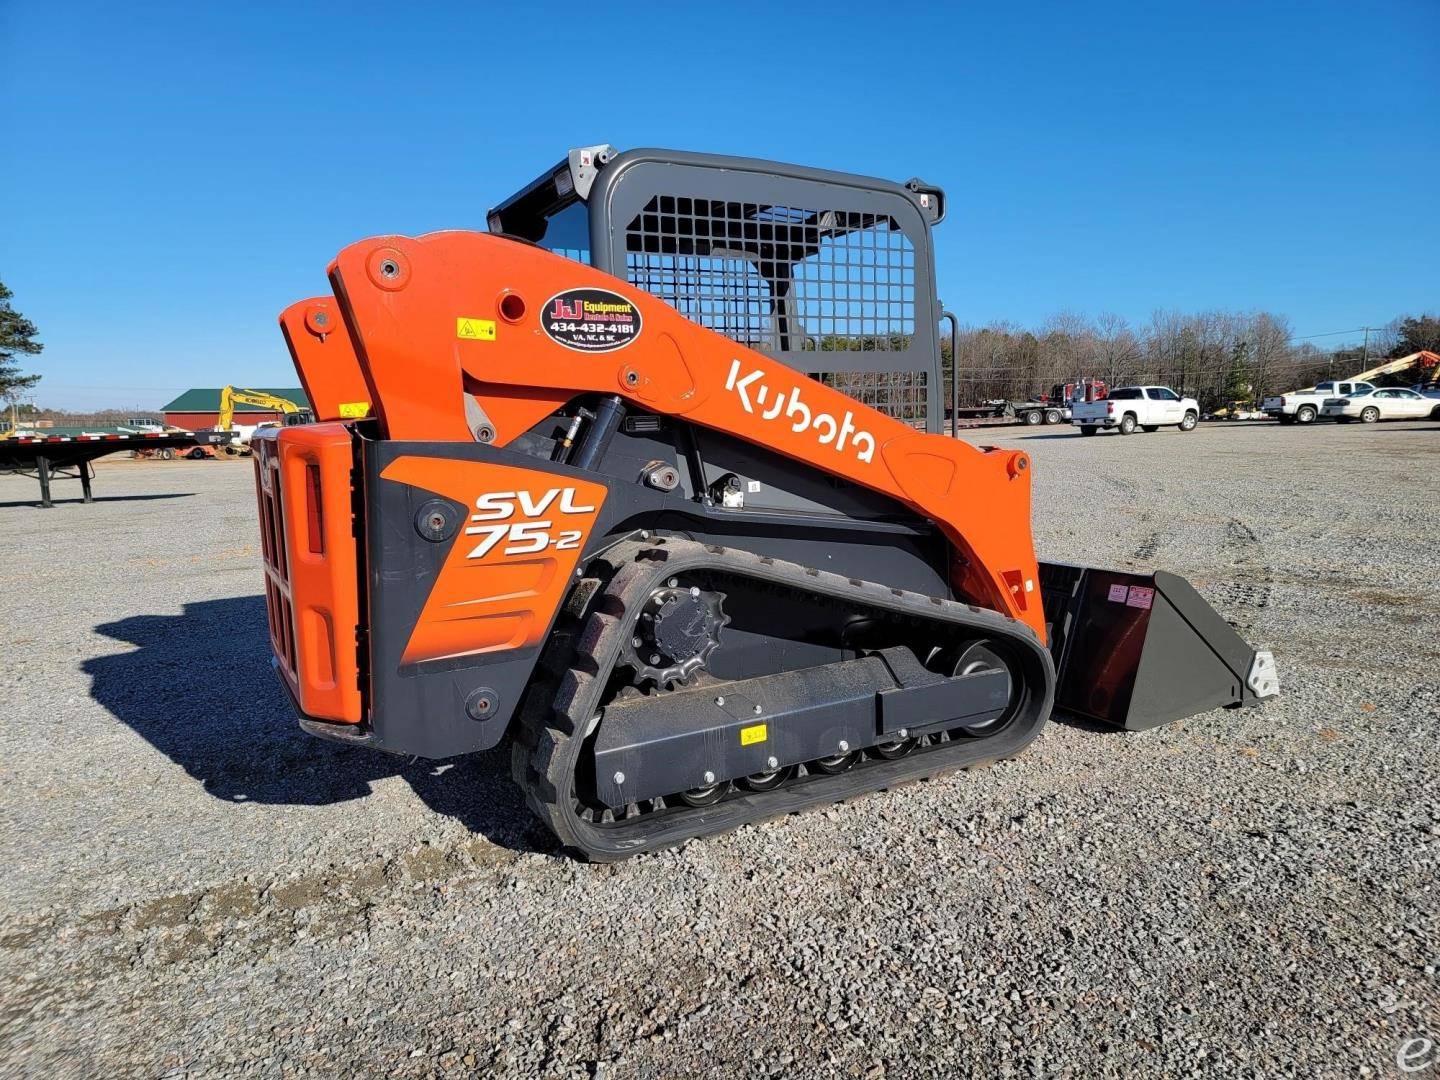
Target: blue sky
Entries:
(175, 175)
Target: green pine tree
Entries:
(1237, 374)
(17, 336)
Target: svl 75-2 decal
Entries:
(507, 569)
(494, 510)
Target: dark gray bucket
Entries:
(1140, 650)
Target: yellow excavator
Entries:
(231, 396)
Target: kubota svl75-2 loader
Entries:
(650, 481)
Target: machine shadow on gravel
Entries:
(225, 720)
(66, 500)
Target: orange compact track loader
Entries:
(649, 481)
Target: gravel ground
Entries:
(193, 887)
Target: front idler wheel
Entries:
(971, 658)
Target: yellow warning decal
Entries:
(353, 410)
(749, 736)
(475, 329)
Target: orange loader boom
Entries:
(451, 313)
(320, 347)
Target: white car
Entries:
(1131, 407)
(1304, 406)
(1368, 406)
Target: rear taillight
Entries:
(1282, 401)
(314, 514)
(1110, 408)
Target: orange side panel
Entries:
(509, 569)
(325, 359)
(415, 305)
(321, 564)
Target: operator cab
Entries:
(828, 272)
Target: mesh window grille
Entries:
(778, 278)
(857, 291)
(901, 394)
(724, 292)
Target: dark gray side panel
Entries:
(421, 708)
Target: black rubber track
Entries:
(574, 672)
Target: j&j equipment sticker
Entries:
(591, 320)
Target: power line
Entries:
(1335, 333)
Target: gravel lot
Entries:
(194, 887)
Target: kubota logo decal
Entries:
(753, 394)
(494, 510)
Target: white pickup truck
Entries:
(1146, 407)
(1303, 406)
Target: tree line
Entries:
(1219, 358)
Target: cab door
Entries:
(1164, 405)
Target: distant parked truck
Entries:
(1146, 407)
(1058, 404)
(1303, 406)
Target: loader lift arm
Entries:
(405, 300)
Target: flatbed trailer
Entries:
(998, 413)
(54, 457)
(1033, 413)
